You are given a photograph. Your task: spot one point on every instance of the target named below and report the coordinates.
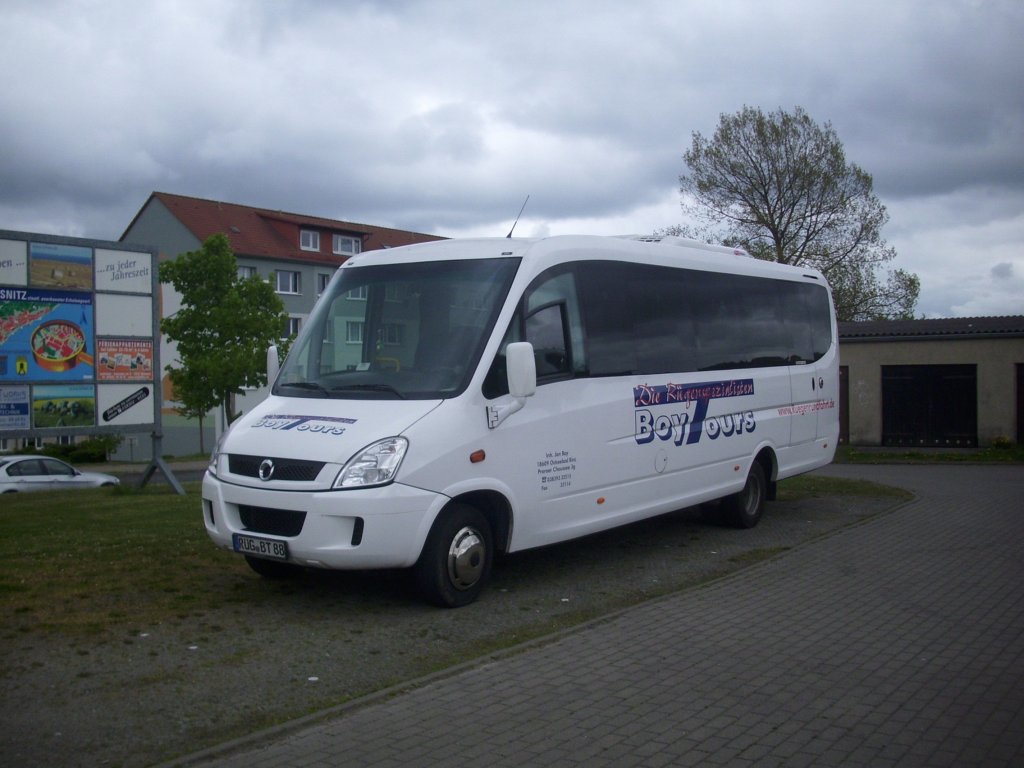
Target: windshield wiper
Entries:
(368, 388)
(307, 385)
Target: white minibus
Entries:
(455, 399)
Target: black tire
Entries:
(456, 560)
(272, 569)
(744, 509)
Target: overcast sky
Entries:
(441, 117)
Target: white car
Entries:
(44, 473)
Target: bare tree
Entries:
(779, 186)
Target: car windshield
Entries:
(398, 331)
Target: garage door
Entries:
(930, 405)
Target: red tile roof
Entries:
(265, 233)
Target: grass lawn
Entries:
(106, 560)
(993, 454)
(81, 561)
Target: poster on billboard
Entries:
(124, 404)
(45, 335)
(71, 405)
(13, 262)
(52, 265)
(123, 271)
(14, 407)
(118, 315)
(124, 359)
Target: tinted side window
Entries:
(54, 467)
(609, 317)
(738, 322)
(617, 318)
(819, 314)
(28, 468)
(645, 319)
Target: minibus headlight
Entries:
(376, 464)
(215, 456)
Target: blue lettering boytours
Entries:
(324, 425)
(687, 425)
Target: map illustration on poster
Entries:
(45, 335)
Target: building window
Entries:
(288, 282)
(291, 327)
(65, 440)
(309, 240)
(322, 280)
(357, 294)
(347, 246)
(354, 332)
(244, 273)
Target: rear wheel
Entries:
(456, 559)
(744, 509)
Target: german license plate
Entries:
(253, 545)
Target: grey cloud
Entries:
(441, 117)
(1002, 271)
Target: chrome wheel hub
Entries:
(466, 558)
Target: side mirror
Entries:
(273, 364)
(522, 382)
(522, 369)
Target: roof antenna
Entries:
(509, 235)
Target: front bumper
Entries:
(381, 527)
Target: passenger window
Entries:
(611, 341)
(29, 468)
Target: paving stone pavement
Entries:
(896, 642)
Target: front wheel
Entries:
(744, 509)
(456, 559)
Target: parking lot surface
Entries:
(895, 642)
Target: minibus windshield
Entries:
(398, 331)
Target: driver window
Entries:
(56, 467)
(545, 330)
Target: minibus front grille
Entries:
(286, 470)
(276, 522)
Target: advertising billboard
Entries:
(79, 336)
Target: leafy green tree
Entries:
(222, 330)
(779, 185)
